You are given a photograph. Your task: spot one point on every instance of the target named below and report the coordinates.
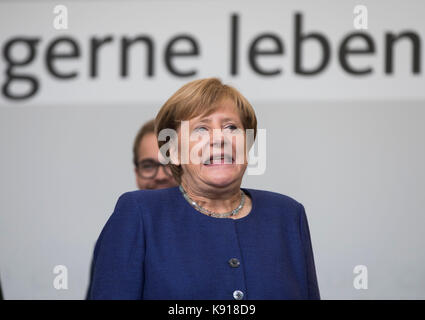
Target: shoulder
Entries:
(130, 212)
(148, 200)
(150, 196)
(276, 204)
(274, 198)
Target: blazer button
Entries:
(238, 295)
(234, 263)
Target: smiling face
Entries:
(218, 142)
(147, 158)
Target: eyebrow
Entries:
(207, 120)
(147, 159)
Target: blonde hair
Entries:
(196, 98)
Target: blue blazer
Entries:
(156, 245)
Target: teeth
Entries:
(227, 159)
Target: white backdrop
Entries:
(350, 148)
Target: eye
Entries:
(201, 129)
(148, 165)
(230, 127)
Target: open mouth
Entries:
(223, 159)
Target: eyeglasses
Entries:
(148, 169)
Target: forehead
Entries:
(148, 147)
(225, 109)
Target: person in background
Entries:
(150, 173)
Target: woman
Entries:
(207, 238)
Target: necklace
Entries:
(210, 213)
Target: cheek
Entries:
(192, 170)
(239, 150)
(199, 149)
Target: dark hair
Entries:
(148, 127)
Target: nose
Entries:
(161, 175)
(217, 138)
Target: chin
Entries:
(220, 180)
(221, 176)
